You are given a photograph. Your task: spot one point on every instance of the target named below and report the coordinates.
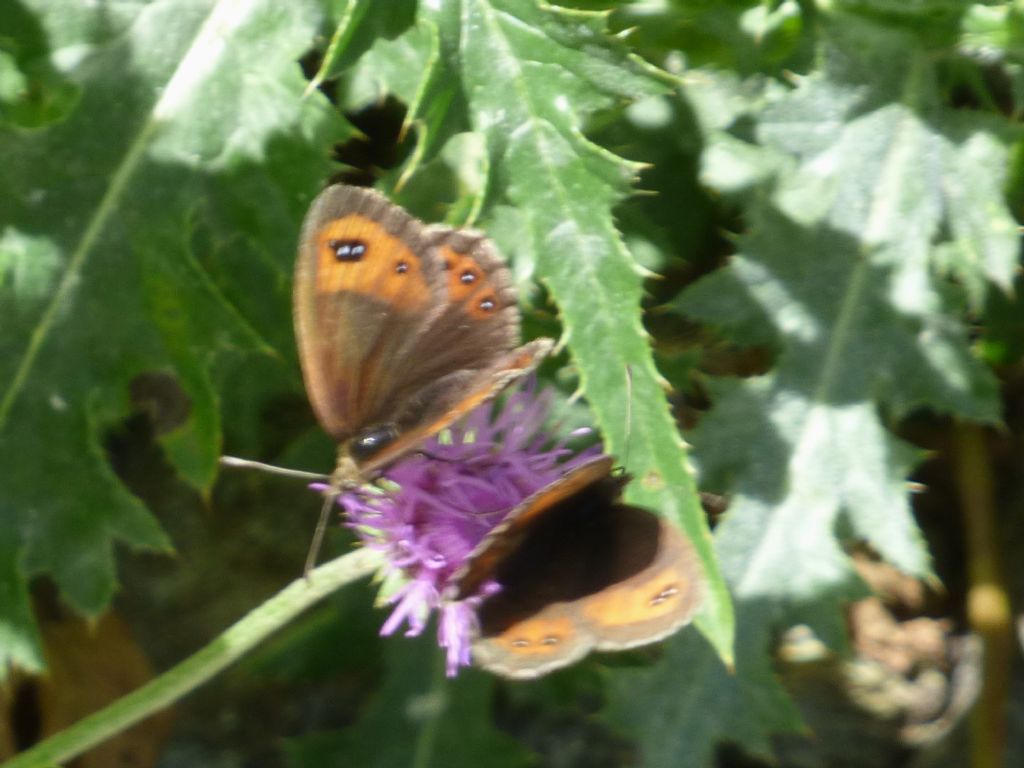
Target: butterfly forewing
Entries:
(399, 324)
(366, 288)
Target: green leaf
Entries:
(359, 38)
(863, 193)
(918, 184)
(418, 717)
(177, 178)
(399, 67)
(532, 74)
(33, 92)
(900, 181)
(681, 710)
(526, 76)
(747, 36)
(1004, 323)
(831, 280)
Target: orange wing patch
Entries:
(356, 254)
(467, 284)
(634, 602)
(536, 637)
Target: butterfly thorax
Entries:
(346, 472)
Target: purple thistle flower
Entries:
(450, 495)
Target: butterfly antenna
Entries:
(318, 533)
(234, 461)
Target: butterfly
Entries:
(402, 327)
(577, 570)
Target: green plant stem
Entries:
(426, 739)
(988, 606)
(227, 648)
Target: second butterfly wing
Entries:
(579, 570)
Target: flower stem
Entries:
(988, 603)
(227, 648)
(426, 739)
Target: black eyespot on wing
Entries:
(347, 250)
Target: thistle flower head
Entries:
(449, 495)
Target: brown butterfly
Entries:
(578, 570)
(402, 327)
